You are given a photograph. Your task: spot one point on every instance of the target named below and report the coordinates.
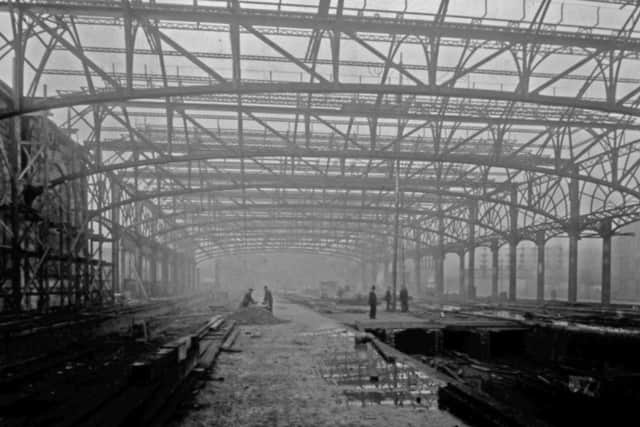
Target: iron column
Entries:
(473, 219)
(495, 268)
(574, 234)
(540, 242)
(513, 243)
(462, 288)
(606, 233)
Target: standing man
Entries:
(387, 298)
(268, 299)
(373, 303)
(404, 299)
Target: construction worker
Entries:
(268, 299)
(387, 298)
(404, 299)
(247, 300)
(373, 303)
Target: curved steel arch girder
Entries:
(275, 184)
(478, 160)
(365, 113)
(367, 235)
(211, 253)
(504, 162)
(319, 239)
(242, 153)
(354, 19)
(317, 207)
(203, 226)
(121, 94)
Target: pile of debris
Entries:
(254, 316)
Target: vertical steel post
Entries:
(495, 268)
(196, 274)
(440, 252)
(165, 271)
(385, 266)
(374, 273)
(473, 219)
(139, 262)
(85, 284)
(396, 231)
(187, 274)
(175, 274)
(574, 234)
(115, 238)
(606, 233)
(462, 285)
(153, 269)
(439, 272)
(170, 270)
(513, 243)
(14, 163)
(540, 245)
(513, 270)
(417, 264)
(192, 274)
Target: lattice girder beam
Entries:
(538, 34)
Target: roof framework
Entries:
(240, 126)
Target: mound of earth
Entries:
(254, 316)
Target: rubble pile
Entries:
(254, 316)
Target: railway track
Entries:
(113, 378)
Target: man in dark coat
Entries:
(387, 298)
(373, 303)
(247, 300)
(404, 299)
(268, 299)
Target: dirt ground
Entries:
(274, 380)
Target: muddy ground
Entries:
(274, 380)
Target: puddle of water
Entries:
(503, 314)
(595, 328)
(366, 378)
(327, 332)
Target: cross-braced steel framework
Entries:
(226, 127)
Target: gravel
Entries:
(254, 316)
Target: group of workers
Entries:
(267, 301)
(373, 301)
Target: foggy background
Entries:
(301, 272)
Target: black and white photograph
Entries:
(319, 213)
